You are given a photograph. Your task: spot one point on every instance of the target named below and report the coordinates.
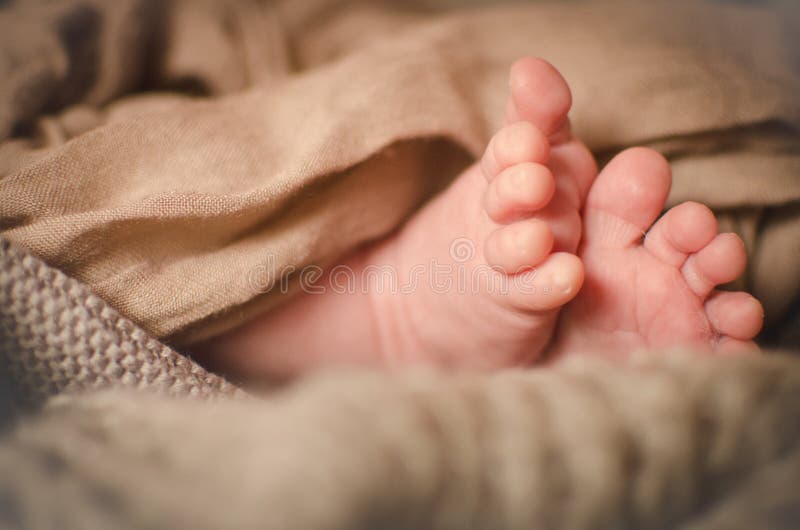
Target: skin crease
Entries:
(652, 285)
(532, 213)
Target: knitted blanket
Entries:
(151, 155)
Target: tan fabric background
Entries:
(317, 126)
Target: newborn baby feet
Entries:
(516, 216)
(477, 277)
(480, 272)
(652, 285)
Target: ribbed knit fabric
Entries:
(57, 337)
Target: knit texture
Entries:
(57, 337)
(658, 443)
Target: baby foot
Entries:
(481, 271)
(652, 285)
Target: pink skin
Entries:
(517, 212)
(517, 215)
(650, 284)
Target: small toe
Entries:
(519, 190)
(539, 95)
(626, 198)
(737, 315)
(721, 261)
(518, 246)
(514, 144)
(550, 285)
(574, 161)
(683, 230)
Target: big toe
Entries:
(539, 95)
(626, 198)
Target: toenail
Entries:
(519, 136)
(563, 284)
(513, 139)
(521, 177)
(520, 241)
(756, 306)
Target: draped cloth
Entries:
(180, 157)
(154, 156)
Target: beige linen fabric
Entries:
(319, 126)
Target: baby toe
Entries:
(539, 94)
(518, 246)
(626, 198)
(721, 261)
(737, 315)
(517, 190)
(549, 286)
(514, 144)
(574, 161)
(684, 229)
